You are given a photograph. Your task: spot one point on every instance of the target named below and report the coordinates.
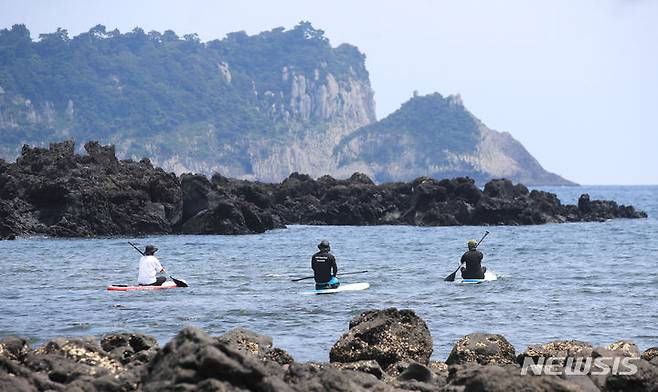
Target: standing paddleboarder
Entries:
(324, 268)
(473, 260)
(149, 267)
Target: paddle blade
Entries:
(451, 277)
(179, 283)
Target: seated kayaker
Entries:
(324, 268)
(149, 267)
(473, 260)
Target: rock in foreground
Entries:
(242, 360)
(483, 348)
(386, 336)
(56, 192)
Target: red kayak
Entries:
(124, 287)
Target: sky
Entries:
(575, 81)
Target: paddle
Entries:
(179, 283)
(451, 277)
(342, 274)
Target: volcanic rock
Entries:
(242, 360)
(472, 378)
(557, 349)
(482, 348)
(56, 192)
(256, 345)
(386, 336)
(650, 354)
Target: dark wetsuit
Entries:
(159, 280)
(474, 268)
(324, 269)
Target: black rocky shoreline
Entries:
(58, 193)
(383, 350)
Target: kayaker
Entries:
(473, 260)
(324, 268)
(149, 267)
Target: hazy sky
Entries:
(576, 81)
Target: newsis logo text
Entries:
(579, 366)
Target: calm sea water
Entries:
(591, 281)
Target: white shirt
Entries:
(149, 266)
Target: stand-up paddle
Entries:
(451, 277)
(342, 274)
(179, 283)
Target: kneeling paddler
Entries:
(472, 259)
(324, 268)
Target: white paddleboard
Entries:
(342, 287)
(488, 276)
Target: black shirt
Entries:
(324, 266)
(473, 260)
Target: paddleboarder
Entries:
(149, 267)
(473, 260)
(324, 268)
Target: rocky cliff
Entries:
(258, 106)
(254, 107)
(439, 137)
(56, 192)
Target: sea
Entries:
(596, 282)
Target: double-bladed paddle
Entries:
(451, 277)
(342, 274)
(179, 283)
